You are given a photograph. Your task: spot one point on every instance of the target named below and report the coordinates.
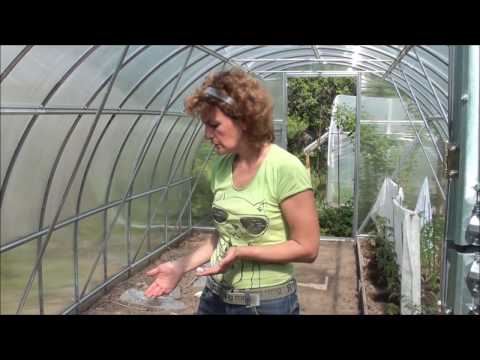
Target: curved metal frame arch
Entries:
(14, 62)
(411, 73)
(300, 63)
(329, 50)
(138, 164)
(60, 153)
(70, 182)
(168, 57)
(33, 119)
(430, 101)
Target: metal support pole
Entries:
(397, 61)
(14, 62)
(461, 281)
(357, 157)
(338, 166)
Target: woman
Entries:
(263, 207)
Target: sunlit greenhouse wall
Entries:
(341, 153)
(276, 85)
(389, 146)
(99, 162)
(76, 145)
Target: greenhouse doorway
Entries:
(321, 133)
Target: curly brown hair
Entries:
(253, 105)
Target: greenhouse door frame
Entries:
(358, 76)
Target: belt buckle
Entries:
(253, 300)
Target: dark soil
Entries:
(110, 303)
(376, 293)
(335, 269)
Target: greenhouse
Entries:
(103, 171)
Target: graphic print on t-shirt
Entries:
(240, 223)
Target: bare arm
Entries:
(169, 274)
(301, 215)
(199, 256)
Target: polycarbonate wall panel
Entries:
(169, 131)
(421, 160)
(15, 268)
(137, 227)
(97, 178)
(58, 272)
(176, 129)
(176, 199)
(147, 64)
(181, 148)
(202, 197)
(34, 76)
(117, 247)
(11, 130)
(389, 147)
(89, 242)
(187, 169)
(413, 169)
(8, 54)
(80, 87)
(30, 173)
(66, 167)
(130, 154)
(276, 87)
(157, 219)
(382, 141)
(154, 92)
(198, 63)
(75, 77)
(194, 81)
(341, 157)
(184, 150)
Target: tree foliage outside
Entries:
(310, 102)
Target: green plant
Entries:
(386, 259)
(430, 251)
(378, 155)
(310, 108)
(336, 221)
(202, 197)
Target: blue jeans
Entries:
(212, 304)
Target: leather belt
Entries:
(251, 297)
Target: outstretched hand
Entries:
(168, 276)
(222, 266)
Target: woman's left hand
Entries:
(223, 265)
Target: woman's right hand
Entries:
(168, 276)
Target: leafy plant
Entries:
(378, 154)
(310, 108)
(386, 261)
(336, 221)
(430, 246)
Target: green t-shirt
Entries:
(252, 215)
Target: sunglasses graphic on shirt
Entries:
(253, 225)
